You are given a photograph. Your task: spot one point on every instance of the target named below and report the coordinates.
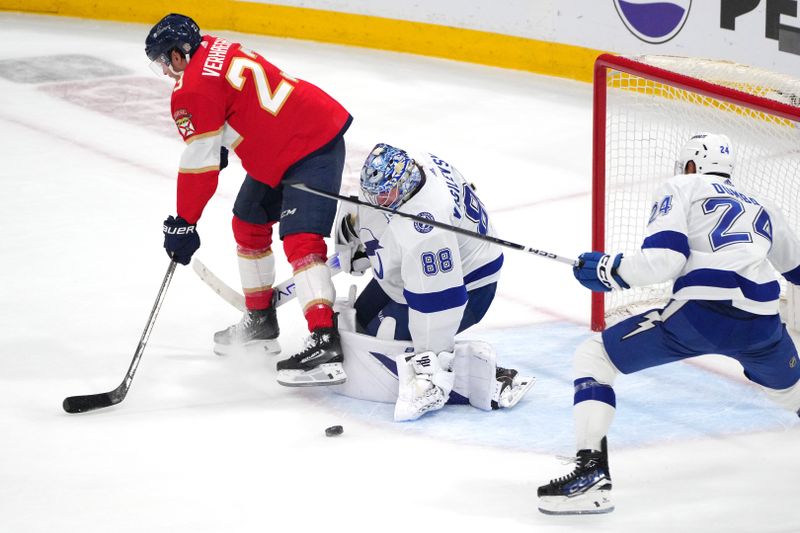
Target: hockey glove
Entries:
(352, 255)
(223, 158)
(181, 240)
(598, 272)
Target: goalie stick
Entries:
(284, 290)
(90, 402)
(440, 225)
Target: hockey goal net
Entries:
(645, 108)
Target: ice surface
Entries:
(210, 444)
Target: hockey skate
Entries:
(587, 490)
(319, 363)
(510, 388)
(258, 329)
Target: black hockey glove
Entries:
(223, 158)
(181, 240)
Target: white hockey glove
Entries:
(352, 255)
(426, 380)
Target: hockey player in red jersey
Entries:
(285, 131)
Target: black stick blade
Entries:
(90, 402)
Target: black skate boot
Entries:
(510, 387)
(257, 329)
(320, 362)
(587, 490)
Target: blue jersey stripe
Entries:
(671, 240)
(725, 279)
(433, 302)
(486, 270)
(793, 276)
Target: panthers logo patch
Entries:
(183, 119)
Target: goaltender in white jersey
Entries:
(428, 283)
(721, 247)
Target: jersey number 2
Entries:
(270, 101)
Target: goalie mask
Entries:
(389, 176)
(710, 152)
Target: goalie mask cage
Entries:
(645, 109)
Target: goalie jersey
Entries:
(427, 268)
(716, 243)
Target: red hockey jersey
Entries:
(229, 96)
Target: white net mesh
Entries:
(647, 122)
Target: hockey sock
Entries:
(257, 272)
(594, 409)
(312, 278)
(256, 262)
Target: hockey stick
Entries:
(218, 286)
(284, 290)
(90, 402)
(440, 225)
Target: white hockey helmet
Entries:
(710, 152)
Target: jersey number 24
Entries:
(729, 210)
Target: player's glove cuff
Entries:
(598, 272)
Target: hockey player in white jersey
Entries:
(719, 245)
(428, 283)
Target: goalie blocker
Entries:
(371, 364)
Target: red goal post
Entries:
(645, 108)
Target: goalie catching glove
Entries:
(598, 272)
(352, 254)
(425, 380)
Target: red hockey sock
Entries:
(319, 316)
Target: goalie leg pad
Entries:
(480, 379)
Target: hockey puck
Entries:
(334, 431)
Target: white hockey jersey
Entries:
(427, 268)
(716, 243)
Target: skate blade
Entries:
(519, 388)
(594, 502)
(268, 347)
(323, 375)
